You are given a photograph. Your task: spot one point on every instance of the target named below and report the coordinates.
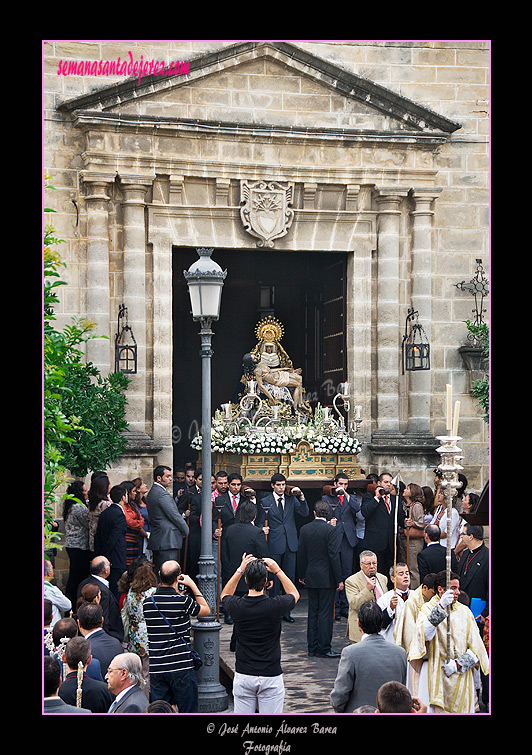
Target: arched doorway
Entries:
(306, 291)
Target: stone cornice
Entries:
(189, 126)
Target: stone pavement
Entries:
(308, 681)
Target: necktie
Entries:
(280, 504)
(387, 501)
(341, 498)
(234, 505)
(113, 706)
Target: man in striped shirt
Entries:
(172, 675)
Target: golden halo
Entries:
(269, 329)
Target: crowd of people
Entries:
(118, 639)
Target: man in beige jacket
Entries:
(365, 585)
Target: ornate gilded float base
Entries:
(302, 463)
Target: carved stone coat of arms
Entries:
(266, 209)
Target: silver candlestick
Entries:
(449, 467)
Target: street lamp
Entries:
(205, 279)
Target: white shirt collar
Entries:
(124, 692)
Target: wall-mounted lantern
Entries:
(416, 348)
(125, 345)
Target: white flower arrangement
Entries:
(282, 441)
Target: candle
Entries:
(275, 412)
(449, 407)
(326, 412)
(227, 410)
(455, 418)
(358, 412)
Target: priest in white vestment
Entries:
(392, 602)
(451, 686)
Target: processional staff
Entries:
(395, 483)
(219, 508)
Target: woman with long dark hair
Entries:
(98, 500)
(140, 500)
(135, 523)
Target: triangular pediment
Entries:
(263, 84)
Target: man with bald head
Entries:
(167, 613)
(112, 620)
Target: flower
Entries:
(283, 440)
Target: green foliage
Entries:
(98, 404)
(480, 389)
(83, 412)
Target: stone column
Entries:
(387, 306)
(96, 186)
(421, 276)
(134, 188)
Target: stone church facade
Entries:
(384, 149)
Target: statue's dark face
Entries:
(249, 361)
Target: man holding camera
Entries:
(378, 510)
(343, 508)
(167, 613)
(258, 681)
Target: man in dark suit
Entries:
(378, 510)
(280, 510)
(110, 537)
(319, 563)
(112, 620)
(242, 537)
(189, 489)
(95, 694)
(168, 528)
(433, 558)
(225, 514)
(343, 508)
(52, 681)
(103, 646)
(124, 677)
(227, 506)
